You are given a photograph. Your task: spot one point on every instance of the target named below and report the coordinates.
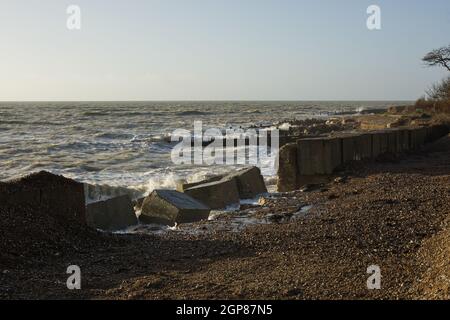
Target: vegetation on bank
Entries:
(437, 98)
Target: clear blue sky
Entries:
(219, 50)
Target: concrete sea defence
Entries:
(171, 207)
(314, 160)
(110, 215)
(189, 203)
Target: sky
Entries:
(219, 50)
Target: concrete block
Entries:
(182, 186)
(250, 182)
(217, 194)
(404, 140)
(112, 214)
(318, 155)
(287, 168)
(392, 141)
(348, 148)
(417, 137)
(384, 142)
(170, 207)
(362, 147)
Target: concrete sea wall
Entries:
(314, 160)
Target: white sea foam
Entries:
(127, 144)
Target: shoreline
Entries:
(392, 213)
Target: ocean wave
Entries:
(13, 122)
(101, 192)
(96, 113)
(255, 111)
(137, 113)
(115, 136)
(89, 168)
(166, 180)
(192, 113)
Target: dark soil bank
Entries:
(393, 214)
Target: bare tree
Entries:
(438, 57)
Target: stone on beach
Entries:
(112, 214)
(171, 207)
(217, 194)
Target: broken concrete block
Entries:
(217, 194)
(112, 214)
(250, 182)
(182, 186)
(170, 207)
(287, 168)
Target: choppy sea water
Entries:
(125, 143)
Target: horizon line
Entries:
(219, 100)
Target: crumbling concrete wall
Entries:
(313, 160)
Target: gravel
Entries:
(391, 214)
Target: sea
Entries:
(127, 144)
